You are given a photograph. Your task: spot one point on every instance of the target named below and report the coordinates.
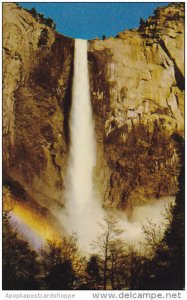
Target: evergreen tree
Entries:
(61, 276)
(93, 271)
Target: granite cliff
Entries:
(137, 85)
(137, 92)
(37, 73)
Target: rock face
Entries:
(137, 90)
(37, 76)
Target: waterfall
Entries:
(83, 211)
(82, 148)
(81, 200)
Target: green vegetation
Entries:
(142, 23)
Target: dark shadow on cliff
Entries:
(63, 58)
(16, 189)
(178, 74)
(67, 104)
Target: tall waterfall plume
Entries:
(83, 213)
(81, 200)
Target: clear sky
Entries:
(94, 19)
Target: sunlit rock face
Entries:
(137, 90)
(37, 68)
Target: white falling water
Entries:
(83, 211)
(82, 150)
(81, 201)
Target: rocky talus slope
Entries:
(137, 92)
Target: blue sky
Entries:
(88, 20)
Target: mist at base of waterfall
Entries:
(86, 222)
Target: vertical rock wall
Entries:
(37, 73)
(137, 89)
